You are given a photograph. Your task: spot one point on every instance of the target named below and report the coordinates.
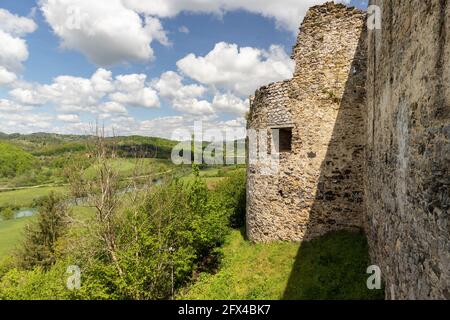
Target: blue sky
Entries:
(159, 64)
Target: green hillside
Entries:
(50, 145)
(13, 160)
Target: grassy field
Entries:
(212, 176)
(11, 234)
(125, 167)
(24, 198)
(332, 267)
(11, 231)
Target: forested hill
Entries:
(49, 144)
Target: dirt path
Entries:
(34, 187)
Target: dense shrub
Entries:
(160, 242)
(13, 160)
(6, 213)
(36, 284)
(231, 194)
(41, 237)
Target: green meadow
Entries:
(24, 198)
(11, 233)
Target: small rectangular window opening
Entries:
(284, 143)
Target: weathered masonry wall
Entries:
(319, 185)
(408, 150)
(370, 120)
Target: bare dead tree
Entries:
(103, 189)
(100, 191)
(116, 228)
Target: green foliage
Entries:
(210, 224)
(331, 95)
(231, 194)
(160, 244)
(39, 247)
(52, 145)
(7, 214)
(144, 147)
(13, 160)
(61, 149)
(47, 144)
(36, 284)
(162, 238)
(164, 241)
(195, 170)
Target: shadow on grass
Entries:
(332, 267)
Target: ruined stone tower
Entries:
(318, 118)
(364, 141)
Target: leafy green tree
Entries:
(41, 237)
(7, 214)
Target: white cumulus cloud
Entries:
(19, 118)
(9, 106)
(76, 94)
(241, 70)
(286, 13)
(68, 117)
(112, 107)
(15, 25)
(228, 102)
(107, 32)
(6, 76)
(132, 90)
(184, 29)
(182, 97)
(13, 48)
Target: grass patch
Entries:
(11, 234)
(332, 267)
(125, 167)
(11, 231)
(213, 175)
(24, 198)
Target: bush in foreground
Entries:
(160, 240)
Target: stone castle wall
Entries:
(408, 150)
(370, 118)
(319, 185)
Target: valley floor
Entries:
(24, 198)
